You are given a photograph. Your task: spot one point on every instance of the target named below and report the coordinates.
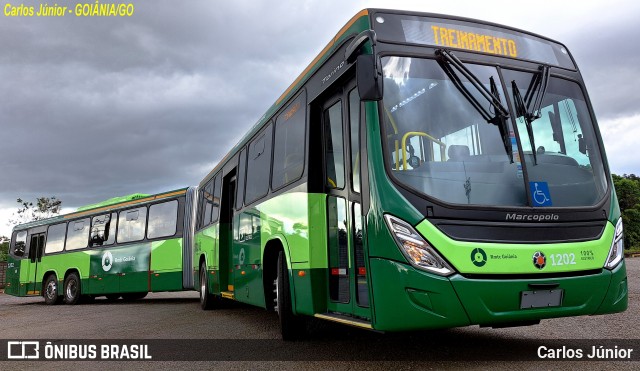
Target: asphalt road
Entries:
(243, 337)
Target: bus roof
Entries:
(113, 201)
(107, 205)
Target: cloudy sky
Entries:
(92, 108)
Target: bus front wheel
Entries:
(292, 327)
(72, 289)
(50, 290)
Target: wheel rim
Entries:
(72, 289)
(203, 286)
(51, 289)
(276, 290)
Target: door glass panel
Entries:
(354, 125)
(242, 163)
(334, 148)
(338, 250)
(362, 291)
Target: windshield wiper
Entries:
(530, 108)
(448, 62)
(537, 87)
(502, 124)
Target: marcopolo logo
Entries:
(107, 261)
(533, 217)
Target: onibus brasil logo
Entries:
(107, 261)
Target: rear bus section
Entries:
(123, 247)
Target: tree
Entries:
(4, 248)
(628, 192)
(44, 207)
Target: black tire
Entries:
(72, 289)
(131, 296)
(208, 301)
(292, 327)
(112, 297)
(50, 290)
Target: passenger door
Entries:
(223, 282)
(347, 267)
(36, 249)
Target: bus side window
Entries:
(208, 203)
(55, 238)
(103, 230)
(259, 159)
(288, 149)
(77, 234)
(131, 225)
(20, 244)
(242, 163)
(217, 191)
(163, 219)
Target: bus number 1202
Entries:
(563, 259)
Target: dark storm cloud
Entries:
(91, 108)
(98, 107)
(607, 52)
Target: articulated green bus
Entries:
(122, 247)
(424, 171)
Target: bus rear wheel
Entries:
(292, 327)
(207, 300)
(50, 290)
(72, 289)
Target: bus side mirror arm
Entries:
(368, 70)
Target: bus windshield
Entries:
(439, 143)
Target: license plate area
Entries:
(541, 298)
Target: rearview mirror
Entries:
(369, 78)
(368, 72)
(582, 145)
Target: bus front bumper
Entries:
(409, 299)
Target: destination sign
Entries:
(470, 36)
(485, 43)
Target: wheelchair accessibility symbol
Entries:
(540, 193)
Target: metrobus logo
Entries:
(107, 261)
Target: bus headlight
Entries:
(617, 247)
(415, 248)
